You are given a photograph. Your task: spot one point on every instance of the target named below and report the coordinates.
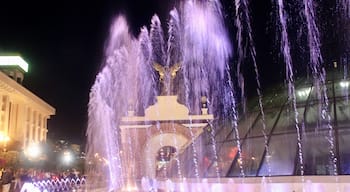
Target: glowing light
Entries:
(130, 188)
(14, 61)
(29, 187)
(233, 152)
(106, 162)
(4, 137)
(304, 92)
(344, 84)
(67, 157)
(33, 150)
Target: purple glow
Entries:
(197, 45)
(191, 60)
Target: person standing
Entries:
(6, 179)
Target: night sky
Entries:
(63, 43)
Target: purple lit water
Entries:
(198, 42)
(285, 49)
(241, 15)
(319, 75)
(243, 21)
(206, 50)
(197, 47)
(215, 156)
(346, 6)
(158, 56)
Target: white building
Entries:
(23, 115)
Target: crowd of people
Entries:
(13, 180)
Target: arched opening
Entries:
(153, 147)
(164, 155)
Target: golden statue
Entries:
(166, 75)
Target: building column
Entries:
(40, 128)
(6, 113)
(37, 127)
(13, 126)
(27, 128)
(31, 126)
(35, 120)
(45, 127)
(1, 112)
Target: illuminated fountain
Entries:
(162, 113)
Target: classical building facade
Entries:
(23, 115)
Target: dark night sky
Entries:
(63, 43)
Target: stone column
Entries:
(6, 113)
(37, 127)
(31, 126)
(41, 128)
(1, 112)
(45, 127)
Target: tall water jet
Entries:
(285, 49)
(205, 58)
(104, 100)
(241, 16)
(243, 23)
(206, 52)
(319, 76)
(346, 6)
(343, 22)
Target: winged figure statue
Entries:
(166, 74)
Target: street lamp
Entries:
(67, 157)
(4, 138)
(33, 151)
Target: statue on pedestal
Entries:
(166, 77)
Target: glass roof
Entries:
(324, 137)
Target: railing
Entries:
(55, 185)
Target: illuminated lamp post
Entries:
(33, 154)
(67, 157)
(33, 151)
(4, 139)
(66, 160)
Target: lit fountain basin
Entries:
(254, 184)
(260, 184)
